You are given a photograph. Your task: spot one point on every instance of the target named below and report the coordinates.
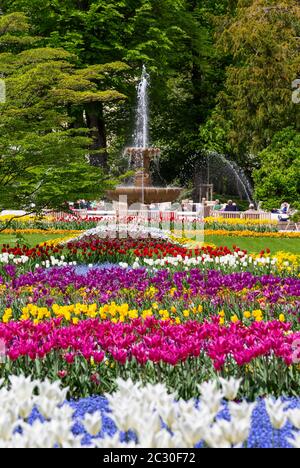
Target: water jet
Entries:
(140, 156)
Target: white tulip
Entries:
(295, 442)
(230, 388)
(22, 387)
(243, 410)
(113, 442)
(6, 427)
(63, 413)
(294, 417)
(226, 434)
(214, 438)
(161, 439)
(46, 406)
(53, 391)
(277, 415)
(211, 396)
(93, 423)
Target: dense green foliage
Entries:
(172, 37)
(279, 175)
(221, 76)
(42, 154)
(263, 40)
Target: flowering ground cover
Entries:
(261, 435)
(250, 234)
(35, 415)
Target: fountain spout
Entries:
(140, 160)
(141, 139)
(140, 157)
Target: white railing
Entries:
(160, 215)
(97, 214)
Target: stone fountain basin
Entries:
(150, 195)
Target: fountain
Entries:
(140, 157)
(215, 172)
(236, 171)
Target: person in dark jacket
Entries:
(229, 206)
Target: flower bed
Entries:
(147, 252)
(239, 224)
(92, 354)
(49, 223)
(36, 416)
(162, 313)
(73, 222)
(168, 294)
(251, 233)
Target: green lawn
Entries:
(251, 244)
(30, 239)
(257, 244)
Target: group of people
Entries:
(284, 209)
(230, 206)
(283, 212)
(82, 205)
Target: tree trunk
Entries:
(95, 121)
(77, 116)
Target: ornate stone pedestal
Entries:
(142, 191)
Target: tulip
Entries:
(277, 415)
(230, 388)
(294, 417)
(93, 423)
(295, 442)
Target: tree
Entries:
(168, 36)
(278, 179)
(263, 40)
(44, 159)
